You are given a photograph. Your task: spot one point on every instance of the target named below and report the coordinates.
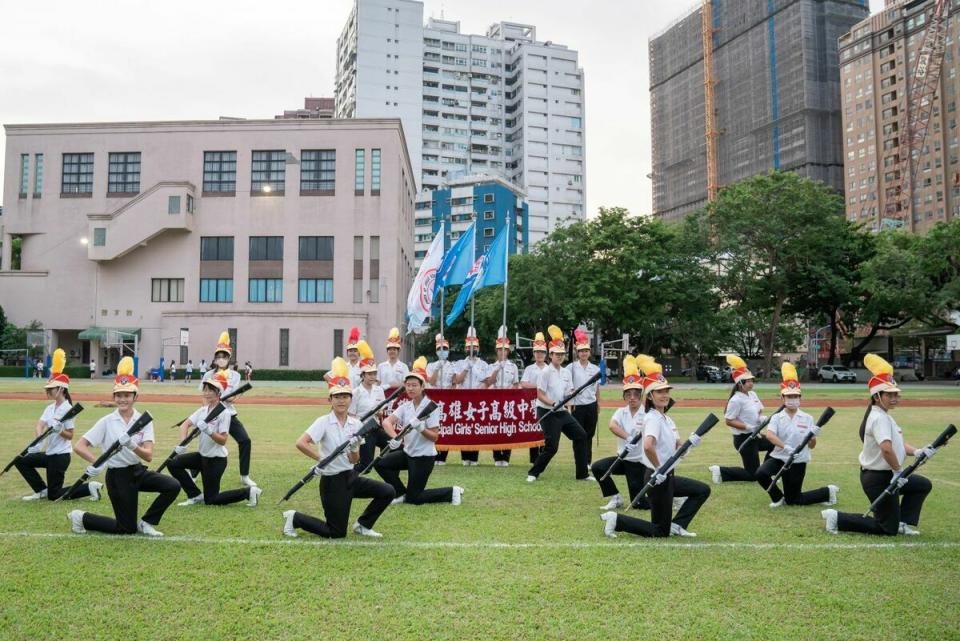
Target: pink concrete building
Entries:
(284, 232)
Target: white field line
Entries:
(494, 545)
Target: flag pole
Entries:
(474, 261)
(506, 267)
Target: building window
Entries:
(268, 172)
(488, 232)
(315, 290)
(216, 248)
(173, 204)
(217, 290)
(338, 341)
(316, 248)
(266, 248)
(190, 204)
(77, 174)
(284, 347)
(374, 269)
(318, 171)
(358, 269)
(265, 290)
(99, 236)
(488, 198)
(24, 174)
(375, 172)
(37, 175)
(358, 181)
(124, 173)
(166, 290)
(220, 172)
(489, 215)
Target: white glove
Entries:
(694, 439)
(902, 481)
(355, 443)
(92, 471)
(659, 478)
(926, 451)
(788, 450)
(123, 440)
(180, 449)
(205, 427)
(418, 425)
(816, 429)
(393, 443)
(56, 426)
(631, 447)
(317, 471)
(35, 449)
(558, 406)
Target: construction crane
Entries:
(915, 118)
(709, 105)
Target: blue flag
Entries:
(489, 269)
(456, 263)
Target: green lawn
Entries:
(515, 561)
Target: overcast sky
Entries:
(89, 61)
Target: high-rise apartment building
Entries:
(502, 103)
(775, 90)
(878, 60)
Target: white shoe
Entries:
(398, 500)
(678, 502)
(676, 530)
(36, 496)
(255, 493)
(440, 463)
(457, 495)
(830, 518)
(531, 478)
(288, 524)
(502, 463)
(145, 528)
(715, 474)
(833, 495)
(94, 487)
(249, 482)
(197, 500)
(609, 524)
(615, 501)
(782, 502)
(362, 531)
(908, 530)
(76, 522)
(588, 478)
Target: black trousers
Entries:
(553, 426)
(464, 456)
(750, 457)
(661, 506)
(211, 469)
(56, 466)
(792, 483)
(587, 416)
(124, 485)
(368, 451)
(632, 470)
(892, 510)
(418, 469)
(336, 495)
(239, 433)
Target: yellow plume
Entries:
(735, 361)
(629, 366)
(365, 351)
(788, 372)
(125, 366)
(538, 337)
(644, 361)
(420, 363)
(555, 333)
(224, 338)
(339, 368)
(394, 333)
(652, 368)
(877, 365)
(59, 362)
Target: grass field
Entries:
(515, 561)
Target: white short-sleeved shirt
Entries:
(365, 400)
(209, 447)
(664, 430)
(173, 370)
(447, 371)
(108, 429)
(234, 380)
(57, 444)
(531, 373)
(507, 374)
(189, 368)
(476, 370)
(630, 423)
(744, 407)
(791, 431)
(580, 375)
(328, 434)
(392, 375)
(881, 427)
(355, 375)
(414, 443)
(555, 383)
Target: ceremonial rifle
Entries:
(211, 416)
(246, 387)
(824, 418)
(705, 427)
(755, 434)
(424, 413)
(75, 409)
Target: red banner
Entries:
(485, 419)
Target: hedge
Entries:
(17, 371)
(258, 374)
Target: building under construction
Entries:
(772, 78)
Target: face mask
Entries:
(221, 363)
(442, 354)
(792, 403)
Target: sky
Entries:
(68, 61)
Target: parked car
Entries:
(709, 373)
(836, 374)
